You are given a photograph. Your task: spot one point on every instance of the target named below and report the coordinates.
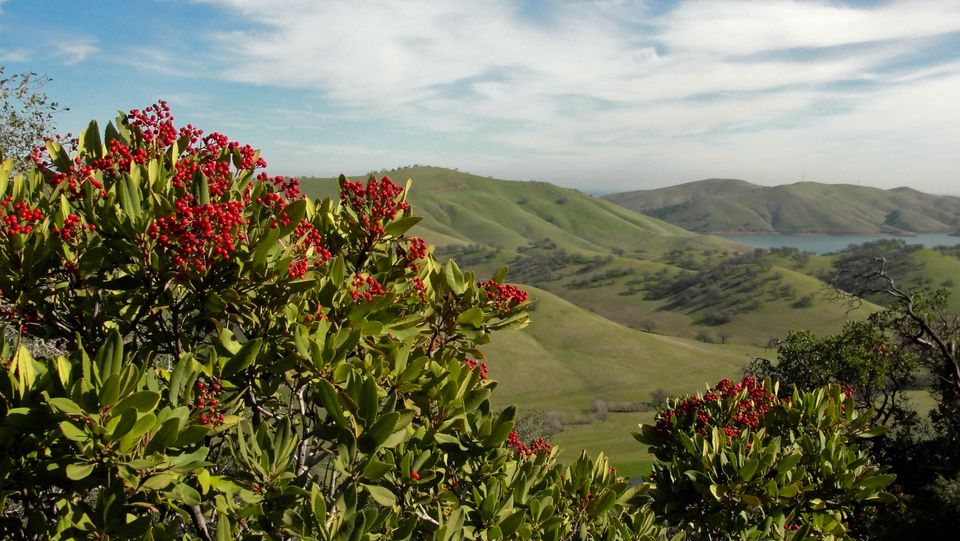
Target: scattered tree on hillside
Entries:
(26, 115)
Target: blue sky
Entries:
(601, 95)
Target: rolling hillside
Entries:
(737, 206)
(459, 208)
(606, 259)
(625, 303)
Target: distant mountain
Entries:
(737, 206)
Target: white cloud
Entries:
(73, 51)
(753, 27)
(711, 87)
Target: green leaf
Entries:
(381, 495)
(64, 369)
(121, 424)
(873, 432)
(142, 426)
(73, 433)
(750, 500)
(165, 436)
(186, 494)
(749, 468)
(60, 158)
(473, 316)
(202, 187)
(295, 211)
(5, 168)
(65, 405)
(90, 140)
(26, 371)
(142, 401)
(177, 379)
(318, 505)
(242, 359)
(374, 470)
(374, 436)
(77, 472)
(788, 462)
(401, 226)
(338, 270)
(453, 277)
(878, 481)
(159, 481)
(331, 402)
(266, 243)
(224, 532)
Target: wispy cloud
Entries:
(73, 51)
(14, 55)
(699, 89)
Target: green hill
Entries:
(608, 259)
(736, 206)
(602, 276)
(570, 352)
(460, 208)
(568, 359)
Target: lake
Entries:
(821, 244)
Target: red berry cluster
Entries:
(207, 403)
(375, 203)
(155, 123)
(195, 235)
(521, 450)
(308, 245)
(473, 364)
(420, 288)
(417, 251)
(365, 288)
(70, 224)
(18, 219)
(731, 407)
(503, 297)
(415, 475)
(317, 315)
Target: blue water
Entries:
(821, 244)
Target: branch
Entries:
(199, 522)
(302, 446)
(420, 512)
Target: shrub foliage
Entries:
(241, 362)
(737, 462)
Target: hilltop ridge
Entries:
(738, 206)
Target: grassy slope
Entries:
(471, 209)
(774, 318)
(583, 357)
(462, 208)
(568, 358)
(805, 207)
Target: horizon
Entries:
(602, 96)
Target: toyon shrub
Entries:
(239, 361)
(737, 462)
